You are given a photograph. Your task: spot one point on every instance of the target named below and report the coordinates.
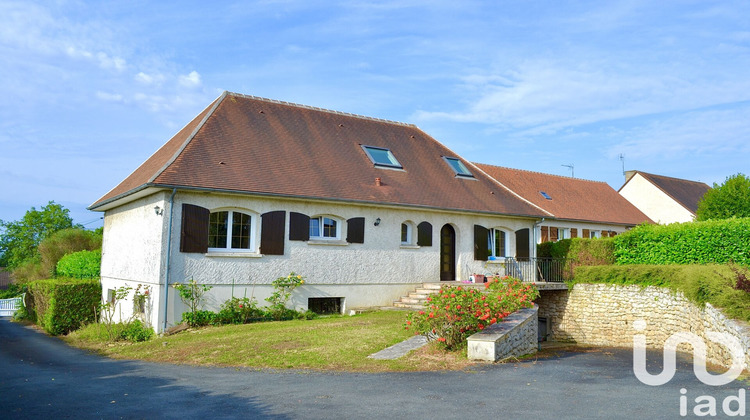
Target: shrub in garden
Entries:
(63, 305)
(81, 265)
(283, 287)
(457, 311)
(239, 311)
(135, 331)
(199, 318)
(714, 241)
(192, 295)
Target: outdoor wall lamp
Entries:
(377, 222)
(158, 210)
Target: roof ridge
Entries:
(541, 173)
(671, 177)
(315, 108)
(215, 104)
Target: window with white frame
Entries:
(229, 230)
(596, 234)
(407, 233)
(323, 227)
(564, 233)
(497, 243)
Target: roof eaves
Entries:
(118, 197)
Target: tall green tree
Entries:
(730, 199)
(19, 239)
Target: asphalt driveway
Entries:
(41, 377)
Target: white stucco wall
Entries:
(374, 273)
(653, 202)
(132, 250)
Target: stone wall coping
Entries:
(498, 330)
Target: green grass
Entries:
(699, 283)
(334, 343)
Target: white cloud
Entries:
(193, 79)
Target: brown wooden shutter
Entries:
(573, 232)
(424, 234)
(545, 233)
(480, 243)
(553, 236)
(194, 230)
(272, 232)
(355, 230)
(586, 233)
(299, 227)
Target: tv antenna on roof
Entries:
(622, 159)
(572, 170)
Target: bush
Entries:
(64, 242)
(29, 270)
(81, 265)
(63, 305)
(457, 312)
(135, 331)
(199, 318)
(239, 311)
(718, 242)
(13, 290)
(282, 291)
(719, 285)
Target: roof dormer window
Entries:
(381, 157)
(458, 167)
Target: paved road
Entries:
(42, 378)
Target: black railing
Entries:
(537, 269)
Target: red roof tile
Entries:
(260, 146)
(571, 198)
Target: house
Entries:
(252, 189)
(664, 199)
(576, 208)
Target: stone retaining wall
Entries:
(603, 315)
(515, 336)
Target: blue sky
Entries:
(89, 90)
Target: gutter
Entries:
(169, 252)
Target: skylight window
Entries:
(381, 157)
(458, 167)
(545, 195)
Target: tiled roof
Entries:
(685, 192)
(571, 198)
(259, 146)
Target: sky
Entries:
(89, 90)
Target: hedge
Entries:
(63, 305)
(715, 241)
(81, 265)
(718, 285)
(577, 252)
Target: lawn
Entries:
(339, 343)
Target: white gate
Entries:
(9, 306)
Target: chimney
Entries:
(377, 182)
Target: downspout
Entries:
(169, 252)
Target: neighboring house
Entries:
(253, 189)
(576, 208)
(664, 199)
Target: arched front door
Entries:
(447, 253)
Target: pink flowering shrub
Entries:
(459, 311)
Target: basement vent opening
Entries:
(325, 305)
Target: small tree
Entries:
(282, 291)
(192, 294)
(730, 199)
(19, 239)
